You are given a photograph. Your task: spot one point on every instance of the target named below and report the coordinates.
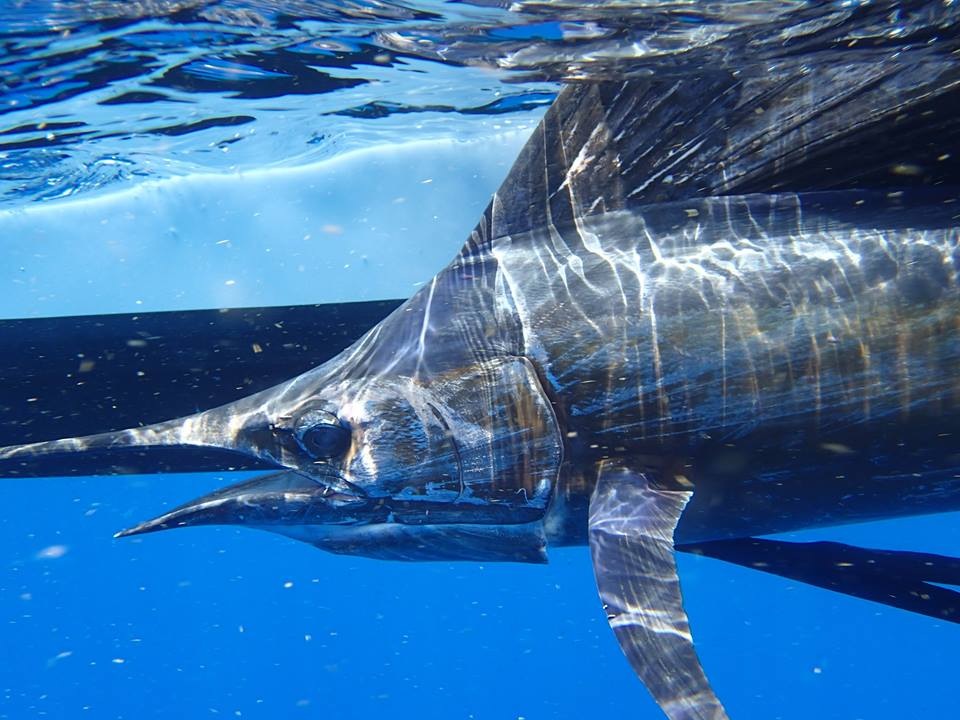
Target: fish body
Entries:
(793, 357)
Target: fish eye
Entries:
(322, 435)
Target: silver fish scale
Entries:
(756, 309)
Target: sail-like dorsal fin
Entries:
(238, 351)
(610, 145)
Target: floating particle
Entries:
(58, 657)
(52, 552)
(906, 169)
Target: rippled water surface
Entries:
(100, 94)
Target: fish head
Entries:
(385, 464)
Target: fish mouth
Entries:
(206, 441)
(229, 438)
(288, 497)
(57, 459)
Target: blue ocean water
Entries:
(260, 154)
(238, 623)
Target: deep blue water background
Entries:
(215, 622)
(253, 120)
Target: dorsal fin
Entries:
(201, 358)
(607, 146)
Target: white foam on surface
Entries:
(371, 224)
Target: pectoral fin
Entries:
(631, 541)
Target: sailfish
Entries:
(701, 309)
